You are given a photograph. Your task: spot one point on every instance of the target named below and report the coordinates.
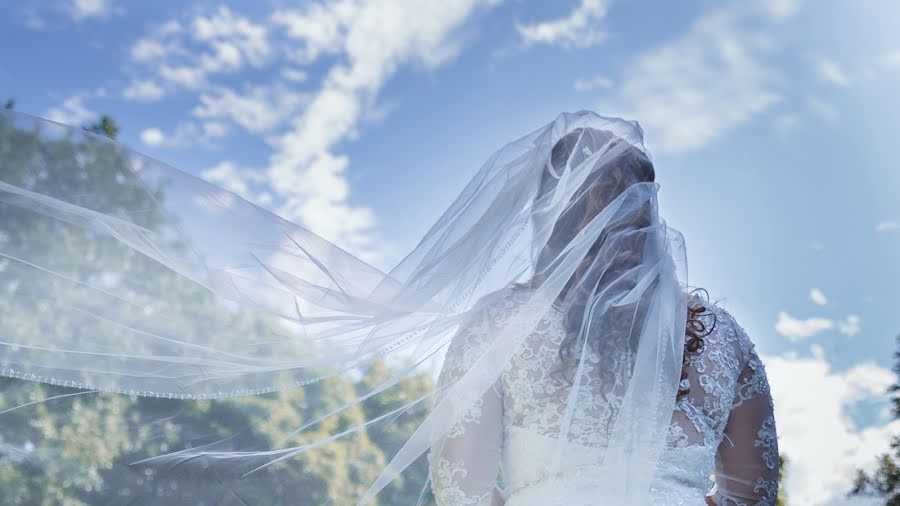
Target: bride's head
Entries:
(611, 174)
(617, 196)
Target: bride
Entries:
(573, 366)
(721, 422)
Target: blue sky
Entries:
(773, 125)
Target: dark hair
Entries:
(695, 331)
(628, 168)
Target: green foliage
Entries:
(884, 481)
(106, 126)
(10, 103)
(62, 445)
(782, 493)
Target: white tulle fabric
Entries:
(723, 429)
(140, 279)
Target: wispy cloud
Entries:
(305, 170)
(796, 329)
(317, 29)
(91, 9)
(294, 75)
(141, 90)
(249, 184)
(887, 225)
(591, 83)
(780, 10)
(891, 59)
(710, 79)
(73, 111)
(186, 134)
(258, 109)
(186, 54)
(38, 15)
(832, 72)
(305, 173)
(580, 28)
(850, 326)
(818, 297)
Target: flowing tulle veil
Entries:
(164, 340)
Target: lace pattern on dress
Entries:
(725, 420)
(447, 477)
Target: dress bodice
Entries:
(517, 424)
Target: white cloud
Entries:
(578, 29)
(159, 44)
(143, 91)
(41, 14)
(260, 109)
(818, 297)
(215, 129)
(88, 9)
(234, 41)
(779, 10)
(73, 112)
(823, 445)
(320, 29)
(587, 84)
(891, 59)
(832, 72)
(294, 75)
(186, 76)
(373, 40)
(175, 57)
(796, 329)
(152, 136)
(370, 41)
(229, 176)
(850, 326)
(709, 80)
(887, 225)
(186, 134)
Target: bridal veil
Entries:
(162, 338)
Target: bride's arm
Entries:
(464, 462)
(747, 459)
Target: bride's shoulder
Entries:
(724, 329)
(476, 327)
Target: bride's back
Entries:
(721, 423)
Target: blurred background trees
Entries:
(884, 481)
(105, 126)
(61, 445)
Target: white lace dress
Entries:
(724, 427)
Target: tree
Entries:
(76, 446)
(782, 493)
(10, 103)
(884, 481)
(106, 126)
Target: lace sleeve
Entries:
(465, 462)
(747, 464)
